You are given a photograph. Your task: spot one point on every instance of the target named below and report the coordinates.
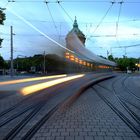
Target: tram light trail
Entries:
(36, 29)
(31, 79)
(37, 87)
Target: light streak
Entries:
(36, 29)
(31, 79)
(37, 87)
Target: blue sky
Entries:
(28, 41)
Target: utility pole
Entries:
(44, 63)
(111, 50)
(125, 53)
(139, 65)
(11, 36)
(107, 54)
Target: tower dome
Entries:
(77, 31)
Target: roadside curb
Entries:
(72, 99)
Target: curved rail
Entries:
(128, 90)
(131, 125)
(125, 106)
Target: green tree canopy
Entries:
(2, 62)
(2, 18)
(111, 58)
(124, 63)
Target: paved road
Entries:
(92, 116)
(34, 106)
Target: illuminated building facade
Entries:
(75, 41)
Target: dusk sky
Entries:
(108, 26)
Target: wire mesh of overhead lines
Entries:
(54, 19)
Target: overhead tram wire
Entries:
(113, 35)
(103, 17)
(75, 1)
(65, 11)
(6, 5)
(36, 29)
(134, 45)
(88, 1)
(52, 18)
(100, 22)
(117, 23)
(49, 38)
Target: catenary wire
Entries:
(65, 12)
(52, 18)
(76, 1)
(117, 23)
(100, 22)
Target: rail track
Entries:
(4, 94)
(128, 90)
(33, 110)
(15, 131)
(134, 122)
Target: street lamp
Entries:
(138, 66)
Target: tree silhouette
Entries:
(2, 18)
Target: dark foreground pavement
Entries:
(89, 118)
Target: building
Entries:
(75, 30)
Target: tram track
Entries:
(128, 90)
(18, 114)
(132, 114)
(14, 132)
(15, 106)
(134, 126)
(131, 125)
(127, 101)
(19, 126)
(11, 135)
(24, 101)
(4, 94)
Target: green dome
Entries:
(77, 31)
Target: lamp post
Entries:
(139, 65)
(44, 63)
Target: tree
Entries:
(2, 63)
(124, 63)
(2, 18)
(111, 58)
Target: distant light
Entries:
(37, 87)
(31, 79)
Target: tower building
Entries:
(77, 32)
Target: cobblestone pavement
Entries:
(60, 92)
(89, 118)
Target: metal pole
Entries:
(44, 63)
(11, 69)
(17, 63)
(125, 54)
(139, 65)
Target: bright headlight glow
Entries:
(41, 86)
(31, 79)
